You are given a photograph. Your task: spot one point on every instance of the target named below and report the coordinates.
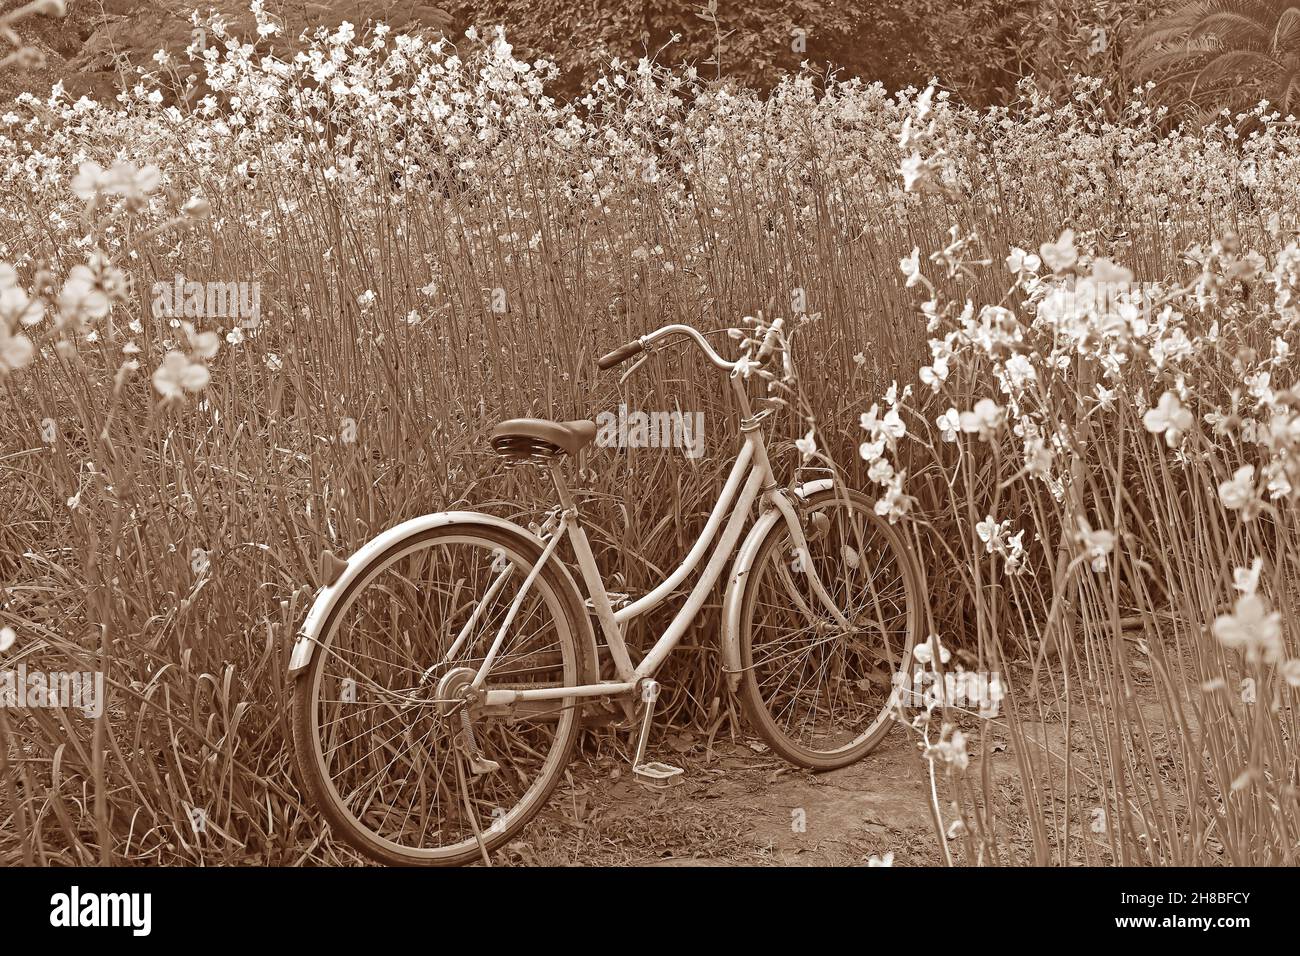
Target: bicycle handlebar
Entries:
(620, 355)
(636, 346)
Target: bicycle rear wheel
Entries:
(377, 725)
(819, 694)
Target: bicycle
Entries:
(435, 709)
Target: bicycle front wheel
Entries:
(379, 713)
(819, 693)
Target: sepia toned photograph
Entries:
(788, 435)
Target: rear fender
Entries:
(328, 597)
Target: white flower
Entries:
(949, 424)
(1021, 261)
(935, 375)
(1168, 418)
(1060, 255)
(891, 426)
(1246, 580)
(1239, 490)
(178, 374)
(983, 419)
(1020, 370)
(990, 531)
(1096, 544)
(871, 450)
(807, 445)
(911, 267)
(16, 307)
(1251, 628)
(81, 296)
(7, 638)
(203, 344)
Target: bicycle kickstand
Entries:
(655, 775)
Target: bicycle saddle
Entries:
(525, 437)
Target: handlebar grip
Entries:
(619, 355)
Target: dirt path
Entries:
(738, 805)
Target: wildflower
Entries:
(1021, 261)
(911, 267)
(923, 653)
(1239, 490)
(202, 344)
(891, 426)
(121, 178)
(949, 424)
(1038, 457)
(1096, 544)
(807, 445)
(952, 750)
(1014, 549)
(273, 362)
(871, 450)
(1060, 255)
(89, 181)
(991, 532)
(1246, 580)
(1168, 418)
(1290, 671)
(179, 374)
(196, 207)
(17, 308)
(1107, 273)
(915, 172)
(881, 471)
(1251, 628)
(893, 504)
(7, 638)
(90, 289)
(16, 350)
(935, 375)
(983, 419)
(1020, 371)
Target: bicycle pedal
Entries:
(481, 765)
(657, 775)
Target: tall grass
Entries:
(440, 246)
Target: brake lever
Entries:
(636, 365)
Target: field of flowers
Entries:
(1057, 340)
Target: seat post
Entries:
(599, 597)
(562, 488)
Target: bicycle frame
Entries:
(751, 477)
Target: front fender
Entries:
(328, 596)
(740, 569)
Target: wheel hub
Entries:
(454, 687)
